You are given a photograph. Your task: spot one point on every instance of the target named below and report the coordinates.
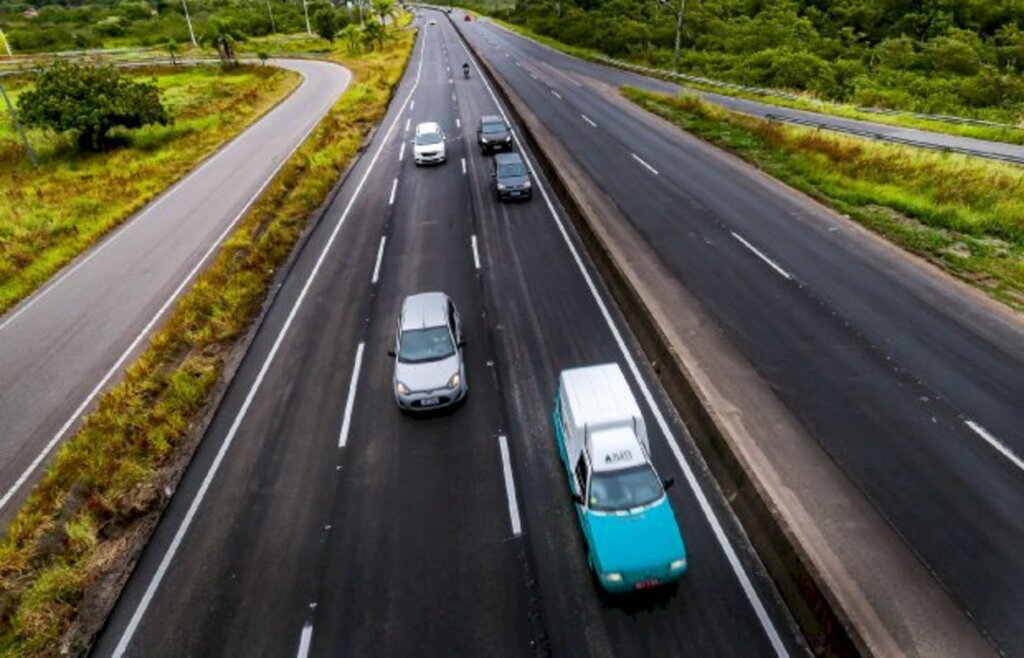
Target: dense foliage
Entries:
(930, 55)
(90, 101)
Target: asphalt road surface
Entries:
(64, 344)
(318, 520)
(914, 385)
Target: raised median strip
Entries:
(851, 583)
(73, 544)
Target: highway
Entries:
(911, 382)
(317, 520)
(63, 345)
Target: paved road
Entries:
(65, 343)
(618, 77)
(404, 541)
(913, 385)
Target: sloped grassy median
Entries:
(85, 522)
(964, 214)
(50, 214)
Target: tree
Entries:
(373, 33)
(384, 9)
(172, 49)
(89, 101)
(353, 36)
(223, 38)
(263, 56)
(326, 21)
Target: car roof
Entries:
(428, 127)
(614, 449)
(427, 309)
(491, 118)
(507, 158)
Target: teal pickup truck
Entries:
(633, 540)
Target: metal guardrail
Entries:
(870, 134)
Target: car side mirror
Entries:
(391, 353)
(576, 498)
(668, 482)
(462, 343)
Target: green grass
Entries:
(51, 214)
(1012, 135)
(69, 539)
(964, 214)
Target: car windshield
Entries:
(613, 491)
(511, 169)
(493, 128)
(422, 345)
(426, 139)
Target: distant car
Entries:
(428, 144)
(429, 369)
(493, 134)
(467, 17)
(432, 22)
(511, 177)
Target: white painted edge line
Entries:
(995, 443)
(476, 254)
(126, 226)
(556, 94)
(510, 487)
(305, 640)
(691, 479)
(346, 421)
(401, 151)
(172, 549)
(380, 257)
(588, 120)
(48, 448)
(463, 166)
(775, 266)
(394, 188)
(641, 161)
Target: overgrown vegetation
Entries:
(90, 101)
(964, 214)
(51, 214)
(960, 57)
(107, 481)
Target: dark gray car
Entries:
(493, 134)
(511, 177)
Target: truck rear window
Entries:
(614, 491)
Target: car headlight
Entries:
(454, 381)
(484, 140)
(678, 564)
(401, 389)
(613, 577)
(502, 187)
(508, 139)
(527, 183)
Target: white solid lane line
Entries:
(775, 266)
(463, 166)
(48, 448)
(401, 151)
(394, 188)
(197, 501)
(346, 421)
(996, 443)
(476, 254)
(556, 94)
(691, 479)
(641, 161)
(588, 120)
(510, 487)
(305, 640)
(380, 257)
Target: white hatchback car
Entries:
(428, 145)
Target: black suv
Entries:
(511, 177)
(493, 134)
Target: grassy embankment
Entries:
(1011, 135)
(103, 489)
(964, 214)
(51, 214)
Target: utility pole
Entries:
(273, 28)
(188, 19)
(305, 9)
(17, 125)
(679, 35)
(7, 44)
